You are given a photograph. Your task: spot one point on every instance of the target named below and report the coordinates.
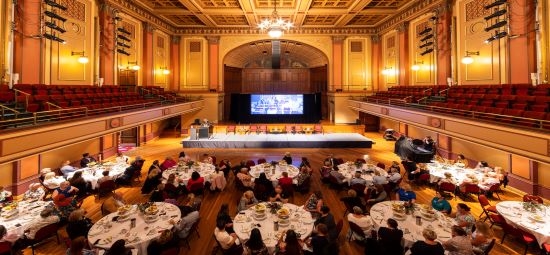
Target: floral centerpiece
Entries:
(190, 163)
(409, 207)
(358, 164)
(532, 206)
(274, 207)
(143, 206)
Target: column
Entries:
(175, 63)
(28, 50)
(522, 41)
(213, 62)
(148, 57)
(107, 48)
(404, 63)
(337, 58)
(376, 62)
(443, 35)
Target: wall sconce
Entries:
(467, 59)
(165, 70)
(82, 59)
(415, 66)
(133, 65)
(387, 71)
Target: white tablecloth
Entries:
(28, 212)
(348, 170)
(299, 219)
(459, 174)
(515, 215)
(92, 174)
(184, 173)
(412, 232)
(139, 237)
(267, 168)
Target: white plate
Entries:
(533, 218)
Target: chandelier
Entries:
(275, 26)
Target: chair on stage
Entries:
(230, 129)
(318, 129)
(263, 129)
(289, 129)
(298, 129)
(253, 129)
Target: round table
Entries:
(274, 176)
(184, 173)
(535, 222)
(28, 213)
(459, 174)
(300, 220)
(367, 171)
(412, 232)
(107, 230)
(92, 174)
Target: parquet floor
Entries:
(382, 151)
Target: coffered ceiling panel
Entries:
(307, 14)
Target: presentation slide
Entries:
(277, 104)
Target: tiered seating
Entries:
(523, 103)
(45, 97)
(408, 94)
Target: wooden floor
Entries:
(381, 152)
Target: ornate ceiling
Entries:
(307, 15)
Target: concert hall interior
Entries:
(251, 79)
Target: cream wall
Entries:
(209, 111)
(123, 62)
(481, 153)
(388, 124)
(194, 65)
(390, 60)
(357, 64)
(161, 59)
(342, 113)
(6, 170)
(420, 133)
(544, 174)
(55, 158)
(426, 75)
(61, 67)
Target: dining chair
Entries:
(105, 188)
(381, 165)
(339, 227)
(355, 229)
(253, 129)
(43, 234)
(318, 129)
(546, 248)
(532, 198)
(471, 188)
(5, 248)
(486, 207)
(494, 189)
(448, 187)
(359, 189)
(261, 161)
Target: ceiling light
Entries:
(83, 59)
(496, 14)
(496, 25)
(52, 25)
(54, 15)
(56, 5)
(495, 4)
(275, 26)
(467, 59)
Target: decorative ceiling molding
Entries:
(141, 14)
(297, 31)
(408, 14)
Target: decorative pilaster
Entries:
(148, 54)
(337, 58)
(175, 62)
(213, 62)
(403, 61)
(107, 48)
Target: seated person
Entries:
(305, 163)
(461, 161)
(363, 221)
(394, 177)
(325, 169)
(159, 194)
(105, 177)
(195, 181)
(287, 158)
(34, 193)
(405, 193)
(464, 217)
(78, 181)
(152, 181)
(291, 245)
(4, 194)
(111, 204)
(302, 176)
(394, 166)
(168, 163)
(164, 242)
(188, 218)
(278, 195)
(79, 246)
(460, 243)
(481, 237)
(328, 219)
(119, 248)
(227, 241)
(439, 203)
(429, 246)
(46, 218)
(245, 178)
(314, 203)
(86, 159)
(255, 245)
(378, 179)
(429, 144)
(339, 177)
(78, 224)
(357, 179)
(236, 169)
(319, 243)
(263, 187)
(126, 177)
(63, 199)
(155, 165)
(5, 237)
(51, 181)
(389, 238)
(247, 200)
(225, 166)
(352, 200)
(121, 158)
(285, 180)
(377, 195)
(333, 162)
(66, 168)
(218, 180)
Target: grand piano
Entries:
(413, 148)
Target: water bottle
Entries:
(276, 225)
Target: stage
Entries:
(334, 140)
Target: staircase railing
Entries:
(27, 95)
(5, 108)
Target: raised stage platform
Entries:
(334, 140)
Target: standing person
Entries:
(390, 238)
(429, 246)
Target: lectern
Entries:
(198, 132)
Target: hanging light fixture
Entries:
(275, 25)
(467, 59)
(82, 59)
